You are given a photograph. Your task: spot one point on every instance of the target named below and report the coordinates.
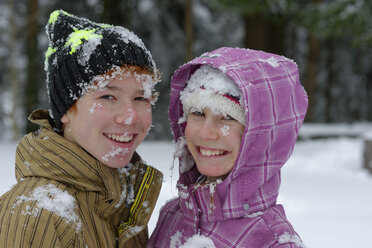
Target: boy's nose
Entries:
(126, 116)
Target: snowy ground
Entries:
(325, 191)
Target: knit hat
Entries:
(79, 50)
(210, 88)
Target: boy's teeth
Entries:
(121, 138)
(211, 152)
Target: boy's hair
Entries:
(80, 50)
(131, 68)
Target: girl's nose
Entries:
(208, 130)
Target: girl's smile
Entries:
(213, 149)
(211, 152)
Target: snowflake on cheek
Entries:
(225, 130)
(95, 107)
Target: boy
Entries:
(80, 182)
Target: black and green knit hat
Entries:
(79, 50)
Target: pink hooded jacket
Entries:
(241, 211)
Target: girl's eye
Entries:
(197, 113)
(228, 118)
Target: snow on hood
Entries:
(275, 104)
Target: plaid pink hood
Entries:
(241, 211)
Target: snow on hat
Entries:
(210, 88)
(79, 50)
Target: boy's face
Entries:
(110, 123)
(213, 141)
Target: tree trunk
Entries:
(330, 81)
(189, 33)
(310, 74)
(13, 70)
(311, 71)
(255, 32)
(367, 154)
(262, 33)
(33, 66)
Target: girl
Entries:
(235, 114)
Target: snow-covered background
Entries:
(325, 190)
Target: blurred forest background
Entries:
(331, 41)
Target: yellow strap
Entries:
(140, 198)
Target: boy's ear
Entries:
(65, 119)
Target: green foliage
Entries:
(323, 18)
(333, 19)
(252, 7)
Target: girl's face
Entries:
(110, 123)
(213, 141)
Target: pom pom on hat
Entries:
(79, 50)
(211, 88)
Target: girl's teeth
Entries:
(121, 138)
(211, 152)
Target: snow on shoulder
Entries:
(198, 241)
(288, 238)
(54, 200)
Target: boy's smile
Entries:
(120, 138)
(110, 123)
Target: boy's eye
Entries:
(107, 97)
(141, 98)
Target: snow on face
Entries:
(225, 130)
(55, 200)
(115, 151)
(128, 121)
(95, 107)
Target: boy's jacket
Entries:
(64, 197)
(241, 211)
